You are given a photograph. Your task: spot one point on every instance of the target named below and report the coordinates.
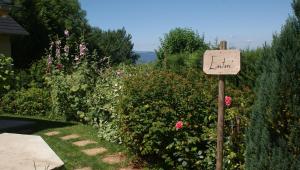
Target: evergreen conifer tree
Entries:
(273, 138)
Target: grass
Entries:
(70, 154)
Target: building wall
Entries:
(5, 46)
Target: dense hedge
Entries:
(30, 102)
(151, 106)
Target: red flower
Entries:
(227, 101)
(179, 125)
(59, 66)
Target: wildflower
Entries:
(66, 49)
(82, 49)
(179, 125)
(49, 63)
(59, 66)
(76, 58)
(57, 51)
(119, 72)
(51, 45)
(227, 101)
(66, 33)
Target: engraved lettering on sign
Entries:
(218, 62)
(221, 62)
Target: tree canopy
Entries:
(181, 46)
(46, 19)
(274, 132)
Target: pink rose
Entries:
(227, 101)
(179, 125)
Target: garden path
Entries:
(92, 151)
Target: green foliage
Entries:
(69, 92)
(152, 104)
(250, 69)
(105, 97)
(180, 48)
(6, 74)
(273, 136)
(30, 102)
(180, 40)
(115, 44)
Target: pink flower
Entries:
(179, 125)
(66, 33)
(82, 49)
(228, 101)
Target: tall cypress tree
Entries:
(273, 138)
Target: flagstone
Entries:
(85, 168)
(72, 136)
(94, 151)
(130, 168)
(84, 142)
(52, 133)
(114, 159)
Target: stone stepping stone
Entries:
(83, 142)
(85, 168)
(52, 133)
(94, 151)
(130, 168)
(68, 137)
(114, 159)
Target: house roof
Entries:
(9, 26)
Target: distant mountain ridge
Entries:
(146, 56)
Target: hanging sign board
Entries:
(221, 62)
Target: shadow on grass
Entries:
(25, 125)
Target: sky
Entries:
(242, 23)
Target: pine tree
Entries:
(273, 138)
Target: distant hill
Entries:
(146, 56)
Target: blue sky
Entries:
(243, 23)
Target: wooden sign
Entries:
(221, 62)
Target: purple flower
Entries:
(66, 33)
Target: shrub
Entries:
(103, 100)
(30, 102)
(152, 104)
(69, 92)
(6, 74)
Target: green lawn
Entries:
(72, 155)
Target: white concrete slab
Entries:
(26, 152)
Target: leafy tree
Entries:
(274, 132)
(115, 44)
(181, 47)
(250, 69)
(44, 19)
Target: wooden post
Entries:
(220, 125)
